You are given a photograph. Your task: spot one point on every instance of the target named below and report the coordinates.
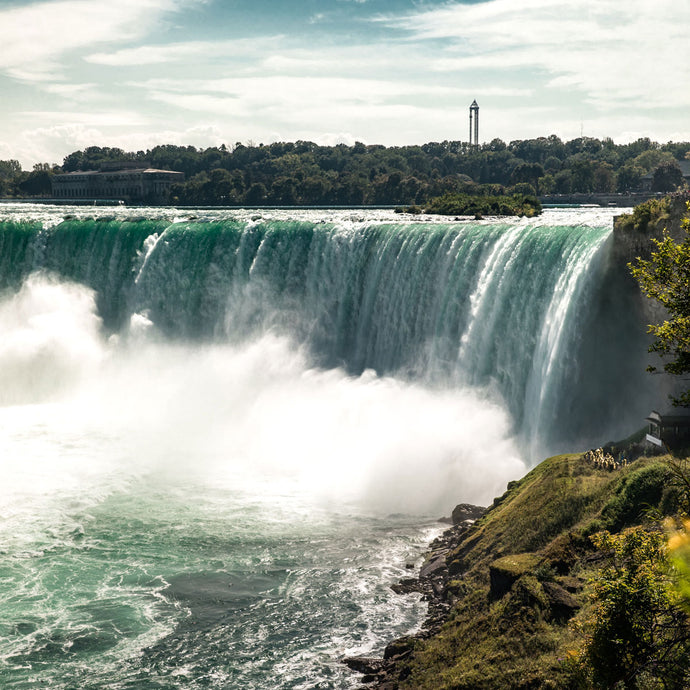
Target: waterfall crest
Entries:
(502, 306)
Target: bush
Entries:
(478, 205)
(639, 492)
(636, 634)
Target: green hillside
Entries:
(524, 583)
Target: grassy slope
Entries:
(520, 638)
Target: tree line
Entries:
(305, 173)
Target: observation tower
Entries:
(474, 124)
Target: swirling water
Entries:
(224, 436)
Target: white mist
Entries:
(85, 415)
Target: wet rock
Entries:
(407, 586)
(399, 648)
(438, 584)
(436, 564)
(364, 664)
(466, 511)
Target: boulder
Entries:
(364, 664)
(407, 585)
(562, 603)
(466, 511)
(400, 648)
(507, 570)
(436, 565)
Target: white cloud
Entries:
(270, 54)
(291, 103)
(52, 143)
(288, 89)
(179, 52)
(79, 92)
(34, 38)
(302, 108)
(96, 119)
(607, 51)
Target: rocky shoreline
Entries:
(432, 583)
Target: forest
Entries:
(304, 173)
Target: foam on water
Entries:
(191, 515)
(223, 437)
(257, 413)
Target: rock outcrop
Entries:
(434, 584)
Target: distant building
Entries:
(474, 124)
(669, 429)
(648, 180)
(130, 184)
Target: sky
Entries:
(137, 73)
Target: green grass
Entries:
(537, 531)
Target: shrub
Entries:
(636, 633)
(640, 491)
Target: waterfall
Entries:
(502, 307)
(223, 437)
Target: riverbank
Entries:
(509, 595)
(432, 583)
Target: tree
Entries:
(665, 277)
(495, 145)
(553, 164)
(11, 175)
(629, 177)
(283, 191)
(522, 188)
(637, 634)
(37, 183)
(220, 188)
(582, 170)
(547, 184)
(529, 173)
(10, 169)
(667, 177)
(604, 178)
(635, 148)
(563, 182)
(303, 172)
(652, 158)
(256, 195)
(584, 145)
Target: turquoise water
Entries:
(224, 436)
(186, 587)
(500, 304)
(215, 517)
